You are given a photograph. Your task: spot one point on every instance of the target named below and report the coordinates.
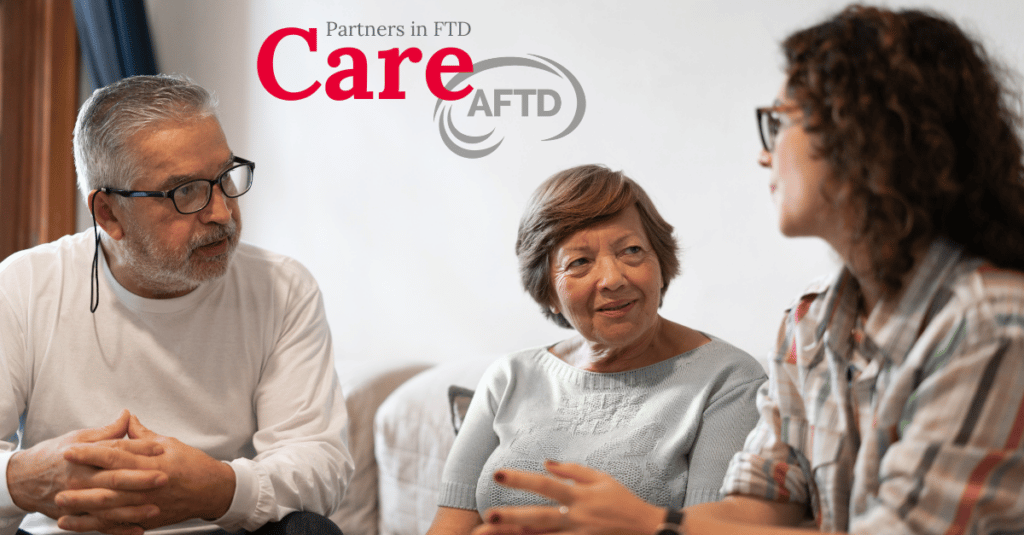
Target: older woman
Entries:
(895, 400)
(659, 405)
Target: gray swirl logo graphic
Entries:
(479, 146)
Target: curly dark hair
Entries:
(920, 134)
(576, 199)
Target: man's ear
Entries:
(105, 214)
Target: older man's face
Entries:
(169, 253)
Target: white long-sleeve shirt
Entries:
(240, 368)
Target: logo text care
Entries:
(471, 129)
(393, 59)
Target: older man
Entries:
(220, 348)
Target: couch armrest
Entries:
(413, 436)
(365, 386)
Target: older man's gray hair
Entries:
(113, 114)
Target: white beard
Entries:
(166, 272)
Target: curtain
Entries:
(114, 38)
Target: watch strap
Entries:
(673, 523)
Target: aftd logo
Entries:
(499, 101)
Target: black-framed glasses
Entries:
(194, 195)
(769, 122)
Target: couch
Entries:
(400, 431)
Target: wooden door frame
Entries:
(38, 101)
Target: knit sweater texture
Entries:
(666, 431)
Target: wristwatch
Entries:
(673, 524)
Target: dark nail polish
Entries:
(494, 518)
(499, 477)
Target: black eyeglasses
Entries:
(769, 122)
(194, 195)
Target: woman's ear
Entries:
(553, 303)
(103, 211)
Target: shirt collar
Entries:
(896, 322)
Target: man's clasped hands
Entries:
(121, 478)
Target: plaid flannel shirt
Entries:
(909, 423)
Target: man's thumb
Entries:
(137, 430)
(116, 429)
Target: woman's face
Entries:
(607, 281)
(797, 176)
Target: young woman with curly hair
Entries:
(895, 399)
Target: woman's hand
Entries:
(592, 503)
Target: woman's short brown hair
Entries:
(919, 132)
(576, 199)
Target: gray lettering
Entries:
(555, 97)
(526, 99)
(479, 103)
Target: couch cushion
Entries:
(365, 386)
(413, 435)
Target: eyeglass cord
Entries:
(94, 279)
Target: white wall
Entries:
(413, 245)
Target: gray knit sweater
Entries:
(666, 431)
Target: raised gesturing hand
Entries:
(592, 503)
